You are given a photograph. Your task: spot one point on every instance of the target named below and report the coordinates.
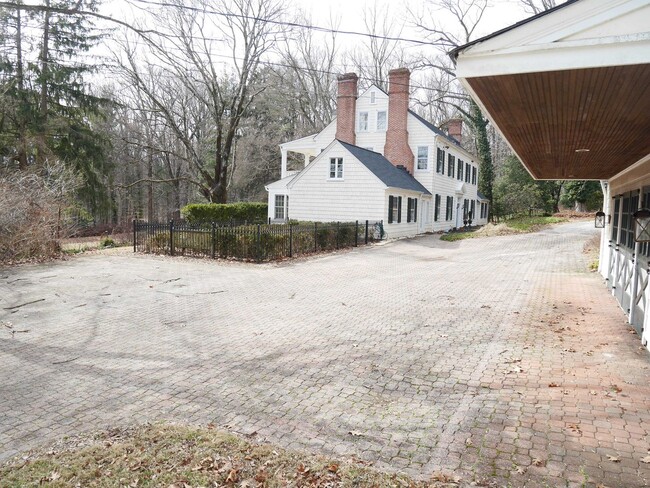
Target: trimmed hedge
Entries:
(197, 213)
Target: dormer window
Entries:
(363, 121)
(373, 97)
(381, 120)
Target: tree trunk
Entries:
(20, 79)
(45, 70)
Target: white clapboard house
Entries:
(378, 160)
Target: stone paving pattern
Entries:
(419, 355)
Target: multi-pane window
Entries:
(451, 165)
(373, 97)
(423, 157)
(412, 210)
(336, 168)
(381, 120)
(394, 209)
(279, 207)
(474, 175)
(449, 212)
(436, 209)
(468, 172)
(461, 165)
(363, 121)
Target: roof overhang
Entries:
(568, 89)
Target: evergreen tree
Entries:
(48, 110)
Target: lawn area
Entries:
(513, 226)
(182, 457)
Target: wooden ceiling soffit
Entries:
(572, 124)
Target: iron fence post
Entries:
(315, 236)
(135, 237)
(338, 226)
(356, 234)
(366, 232)
(259, 242)
(214, 240)
(171, 237)
(290, 241)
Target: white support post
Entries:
(617, 248)
(306, 159)
(603, 258)
(645, 335)
(283, 170)
(635, 272)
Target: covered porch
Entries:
(569, 89)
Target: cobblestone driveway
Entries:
(419, 355)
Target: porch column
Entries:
(635, 271)
(283, 170)
(603, 258)
(306, 159)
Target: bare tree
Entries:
(465, 16)
(537, 6)
(221, 87)
(310, 77)
(380, 52)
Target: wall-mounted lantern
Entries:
(642, 225)
(599, 222)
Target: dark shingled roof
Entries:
(383, 169)
(435, 129)
(480, 196)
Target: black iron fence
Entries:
(257, 242)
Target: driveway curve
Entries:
(503, 359)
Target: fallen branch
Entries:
(66, 360)
(23, 304)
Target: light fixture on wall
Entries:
(599, 221)
(642, 225)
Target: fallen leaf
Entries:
(520, 469)
(468, 442)
(613, 459)
(333, 468)
(593, 392)
(553, 385)
(646, 460)
(355, 433)
(539, 462)
(616, 389)
(232, 476)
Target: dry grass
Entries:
(513, 226)
(181, 457)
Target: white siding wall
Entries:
(441, 183)
(372, 138)
(316, 197)
(403, 228)
(325, 137)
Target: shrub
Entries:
(197, 213)
(32, 211)
(107, 242)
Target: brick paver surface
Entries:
(502, 359)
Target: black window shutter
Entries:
(390, 209)
(408, 209)
(415, 210)
(399, 210)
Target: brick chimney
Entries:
(346, 108)
(455, 129)
(397, 149)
